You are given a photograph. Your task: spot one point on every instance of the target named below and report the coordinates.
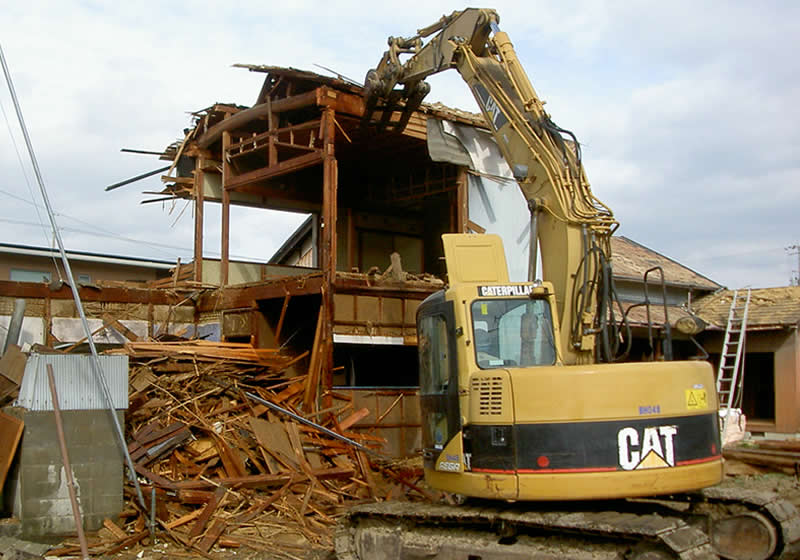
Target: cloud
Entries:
(687, 111)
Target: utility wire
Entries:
(30, 188)
(96, 367)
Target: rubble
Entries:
(229, 472)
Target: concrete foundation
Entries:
(37, 490)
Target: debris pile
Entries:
(228, 471)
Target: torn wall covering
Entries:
(496, 203)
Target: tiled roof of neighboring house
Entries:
(49, 252)
(631, 260)
(637, 317)
(769, 307)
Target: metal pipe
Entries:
(153, 515)
(73, 498)
(314, 425)
(137, 178)
(96, 367)
(533, 243)
(15, 325)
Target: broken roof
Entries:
(769, 308)
(343, 83)
(631, 260)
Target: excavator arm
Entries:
(573, 227)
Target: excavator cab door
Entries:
(438, 371)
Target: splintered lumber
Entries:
(312, 381)
(203, 350)
(353, 418)
(212, 504)
(220, 432)
(786, 461)
(10, 433)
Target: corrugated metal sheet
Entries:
(76, 384)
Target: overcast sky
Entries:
(687, 112)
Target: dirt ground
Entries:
(738, 475)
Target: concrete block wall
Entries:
(39, 493)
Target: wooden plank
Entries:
(115, 529)
(232, 462)
(155, 478)
(312, 381)
(204, 517)
(105, 294)
(199, 204)
(226, 212)
(273, 437)
(122, 329)
(12, 364)
(353, 418)
(259, 111)
(282, 317)
(265, 480)
(211, 535)
(11, 429)
(130, 541)
(262, 174)
(74, 345)
(184, 519)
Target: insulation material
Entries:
(32, 330)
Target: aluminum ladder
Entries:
(729, 380)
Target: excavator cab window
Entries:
(513, 332)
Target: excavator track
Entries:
(779, 522)
(744, 526)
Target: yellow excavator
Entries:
(549, 444)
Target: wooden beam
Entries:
(281, 319)
(226, 211)
(103, 294)
(329, 215)
(282, 168)
(463, 201)
(233, 298)
(199, 202)
(260, 111)
(340, 101)
(264, 480)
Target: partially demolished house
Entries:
(346, 285)
(370, 194)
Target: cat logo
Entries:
(651, 449)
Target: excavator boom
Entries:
(574, 225)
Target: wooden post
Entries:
(76, 510)
(329, 210)
(199, 199)
(48, 322)
(226, 210)
(351, 230)
(272, 151)
(462, 219)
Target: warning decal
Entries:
(696, 399)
